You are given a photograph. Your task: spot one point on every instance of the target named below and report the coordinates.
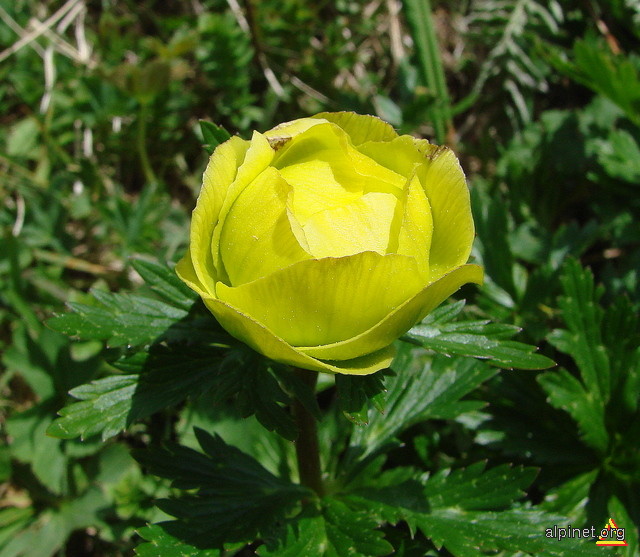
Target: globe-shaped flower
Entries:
(323, 240)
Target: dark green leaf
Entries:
(163, 377)
(306, 536)
(571, 498)
(351, 533)
(582, 339)
(297, 388)
(584, 400)
(164, 282)
(567, 393)
(417, 393)
(260, 393)
(213, 135)
(356, 395)
(458, 510)
(104, 408)
(479, 339)
(474, 533)
(338, 530)
(119, 319)
(160, 542)
(236, 499)
(475, 488)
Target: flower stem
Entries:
(143, 153)
(307, 448)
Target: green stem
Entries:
(307, 448)
(147, 169)
(420, 17)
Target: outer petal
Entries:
(401, 319)
(261, 339)
(257, 159)
(453, 230)
(186, 271)
(327, 300)
(282, 133)
(219, 175)
(257, 239)
(359, 127)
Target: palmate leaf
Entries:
(190, 355)
(133, 320)
(421, 391)
(475, 488)
(357, 393)
(336, 530)
(468, 511)
(162, 543)
(473, 533)
(584, 400)
(568, 393)
(119, 319)
(111, 404)
(236, 500)
(165, 376)
(478, 339)
(164, 282)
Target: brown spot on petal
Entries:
(278, 142)
(433, 155)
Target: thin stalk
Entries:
(420, 17)
(147, 169)
(307, 447)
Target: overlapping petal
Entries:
(247, 329)
(218, 176)
(360, 127)
(254, 247)
(322, 301)
(257, 158)
(446, 189)
(401, 319)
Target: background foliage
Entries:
(171, 421)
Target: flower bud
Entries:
(323, 240)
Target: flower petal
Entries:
(187, 273)
(318, 302)
(448, 194)
(258, 157)
(315, 189)
(261, 339)
(257, 239)
(360, 127)
(282, 133)
(401, 319)
(447, 191)
(361, 226)
(327, 143)
(416, 227)
(218, 177)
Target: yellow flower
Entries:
(323, 240)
